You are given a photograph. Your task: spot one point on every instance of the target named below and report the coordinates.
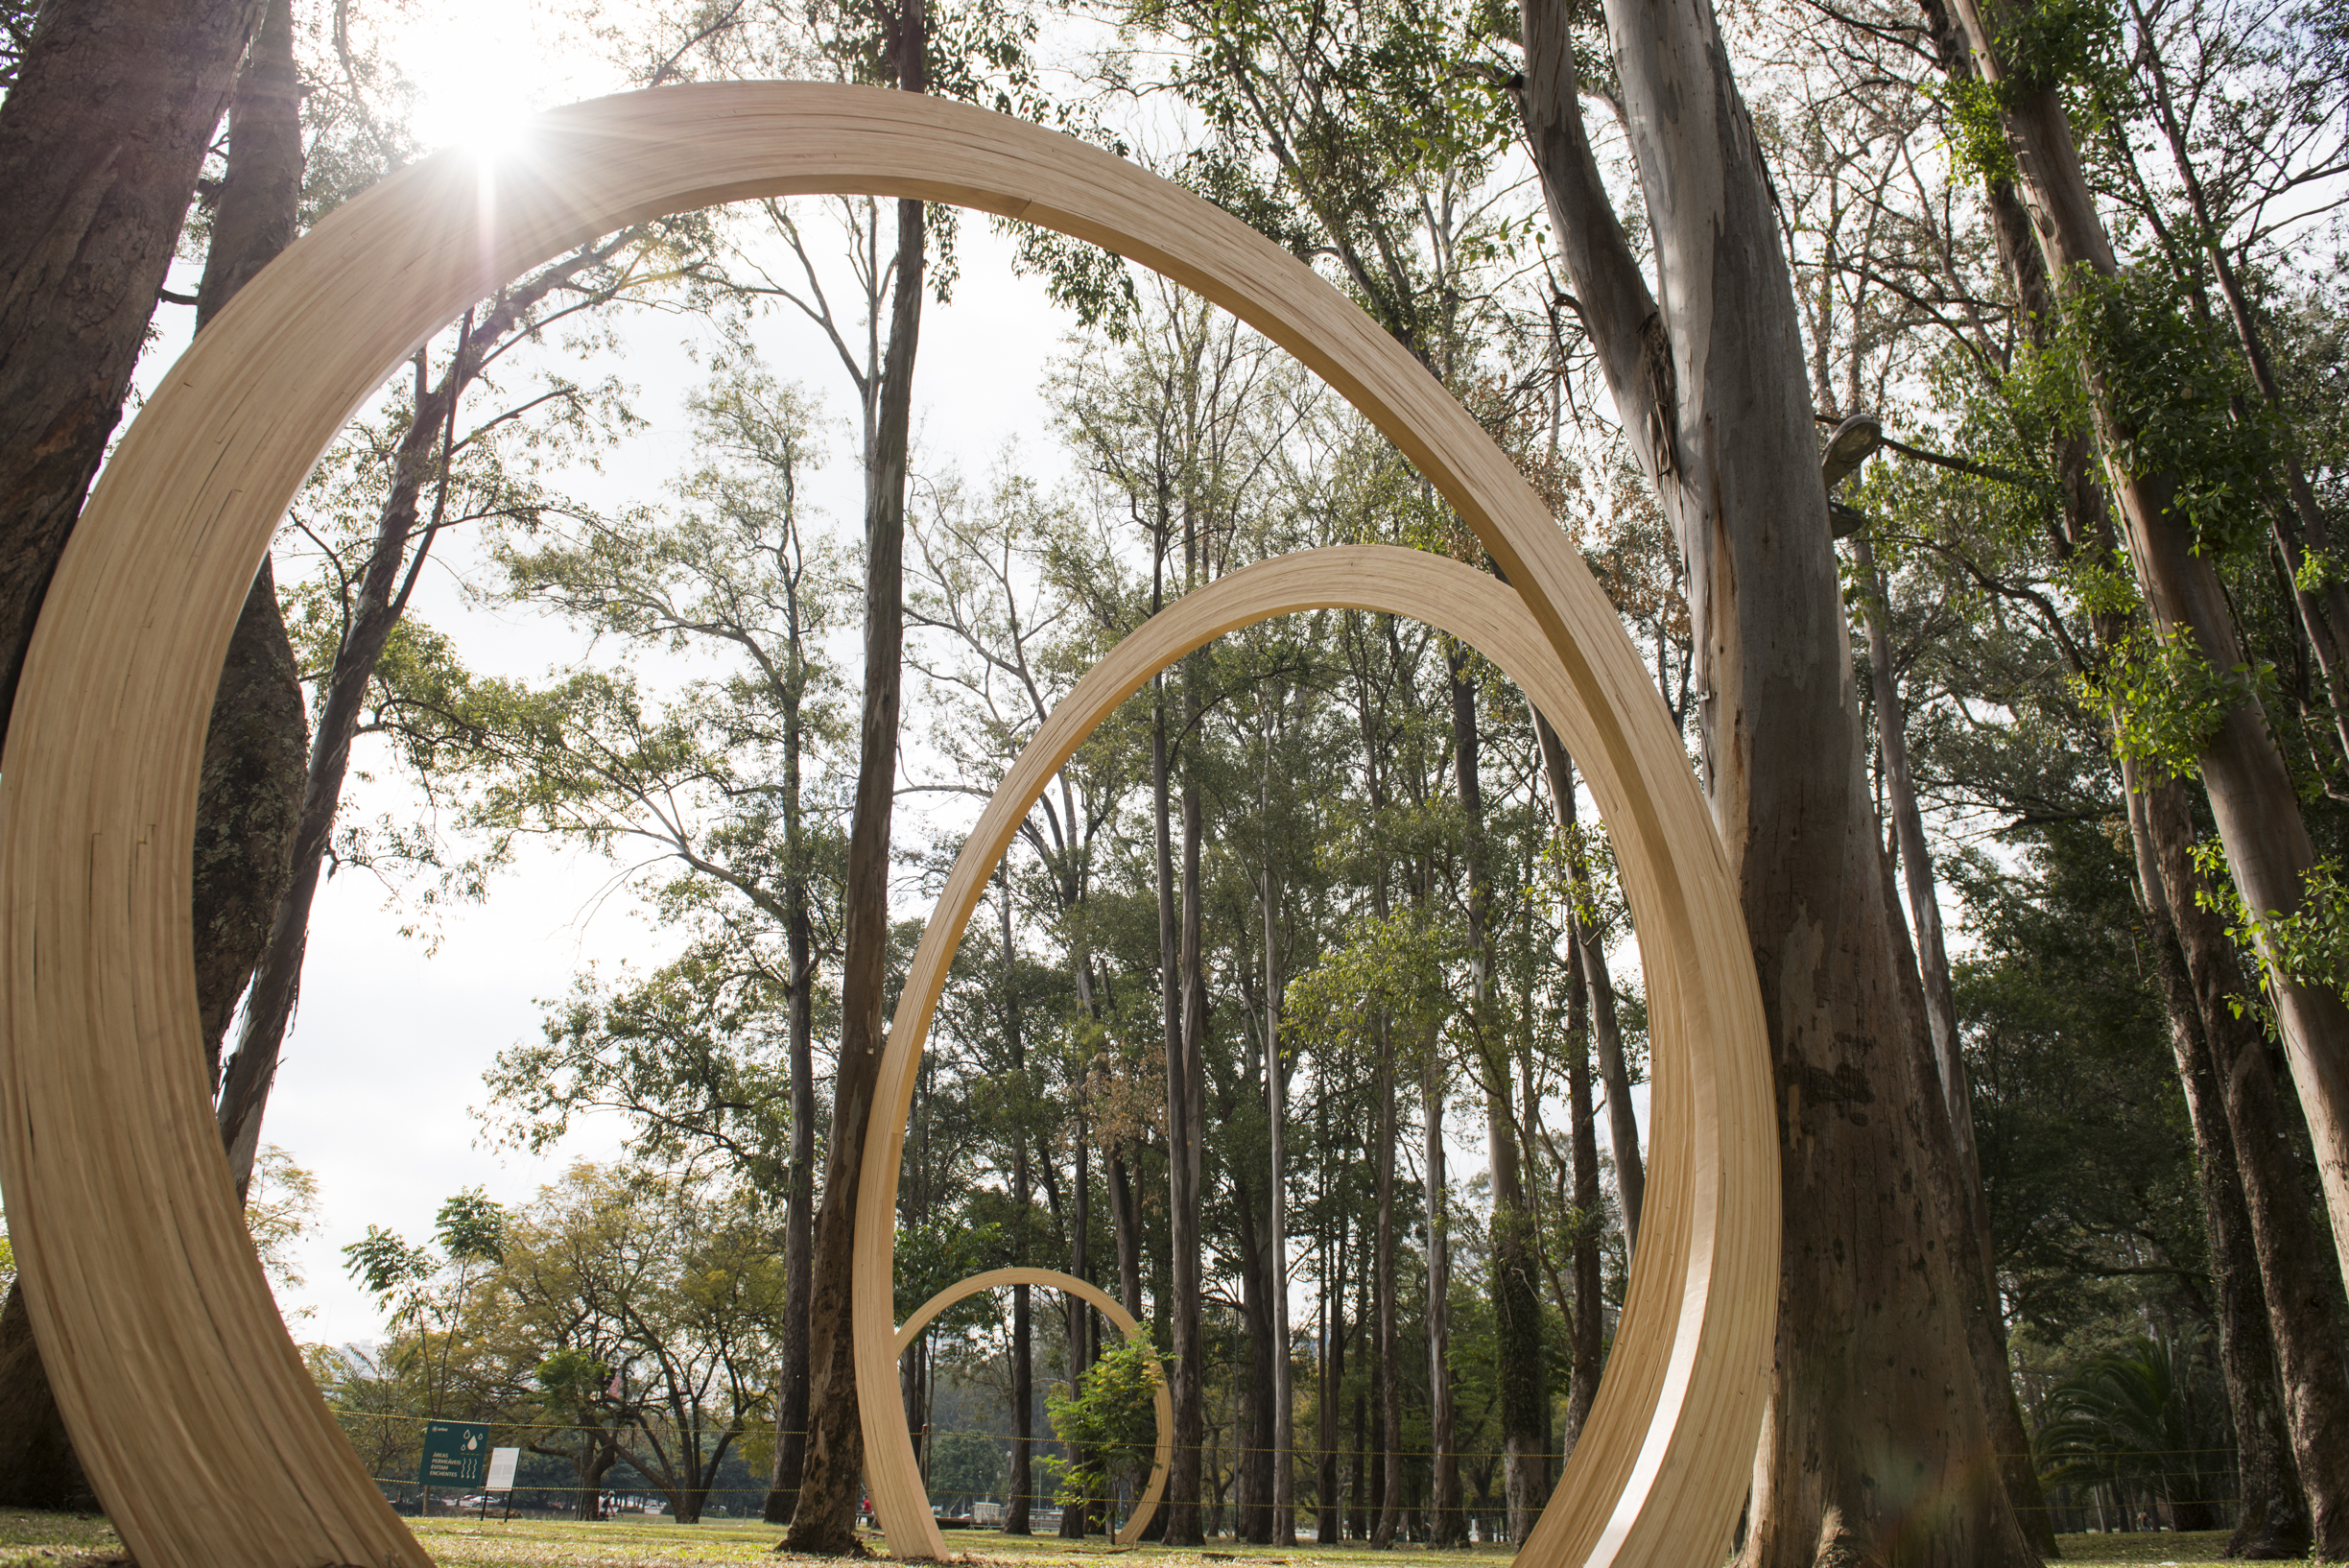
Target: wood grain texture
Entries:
(1053, 1279)
(199, 1426)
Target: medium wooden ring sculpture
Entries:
(1670, 1301)
(1052, 1280)
(191, 1409)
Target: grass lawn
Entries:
(40, 1541)
(56, 1540)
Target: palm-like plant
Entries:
(2128, 1421)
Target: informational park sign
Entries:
(501, 1463)
(456, 1455)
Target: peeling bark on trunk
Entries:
(1870, 1445)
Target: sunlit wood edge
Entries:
(1110, 1307)
(1608, 1508)
(189, 1403)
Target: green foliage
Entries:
(2133, 1417)
(623, 1310)
(1394, 967)
(573, 1380)
(967, 1465)
(2309, 945)
(470, 1228)
(2091, 1197)
(2040, 44)
(2047, 43)
(2167, 700)
(2175, 402)
(1112, 1421)
(1976, 116)
(387, 1265)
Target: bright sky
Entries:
(405, 1035)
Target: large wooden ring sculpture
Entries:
(192, 1411)
(1085, 1290)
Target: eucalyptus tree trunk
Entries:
(1917, 875)
(823, 1520)
(1875, 1422)
(1126, 1227)
(1387, 1424)
(1961, 1171)
(2324, 608)
(257, 745)
(1524, 1408)
(1276, 1240)
(2271, 1519)
(102, 136)
(1589, 1297)
(1023, 1323)
(2300, 1287)
(1445, 1524)
(799, 1213)
(1587, 984)
(798, 1221)
(1254, 1424)
(1606, 1031)
(2252, 798)
(1329, 1518)
(1186, 1095)
(1390, 1457)
(2251, 1327)
(1084, 1328)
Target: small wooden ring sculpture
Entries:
(190, 1407)
(1086, 1289)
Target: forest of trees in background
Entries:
(1321, 912)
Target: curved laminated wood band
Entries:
(1084, 1289)
(192, 1411)
(1591, 1518)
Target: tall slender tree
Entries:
(1710, 386)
